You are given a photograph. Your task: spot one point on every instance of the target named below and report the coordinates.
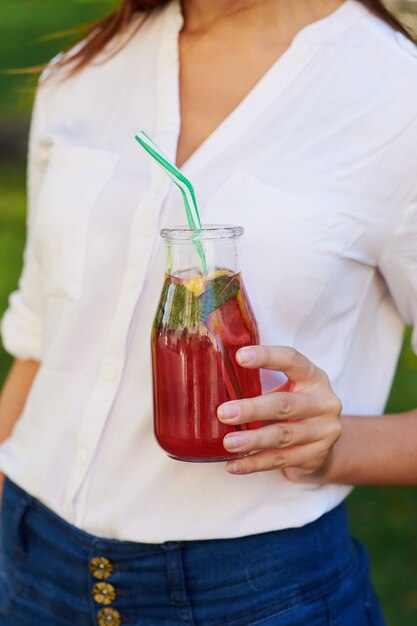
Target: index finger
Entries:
(295, 365)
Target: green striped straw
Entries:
(184, 185)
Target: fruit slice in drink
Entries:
(199, 326)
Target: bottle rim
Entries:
(207, 232)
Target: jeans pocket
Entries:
(12, 544)
(13, 511)
(6, 567)
(5, 594)
(311, 613)
(354, 600)
(362, 609)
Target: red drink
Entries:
(199, 326)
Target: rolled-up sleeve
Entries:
(22, 323)
(398, 265)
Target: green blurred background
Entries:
(385, 519)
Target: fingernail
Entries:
(233, 442)
(228, 411)
(246, 355)
(234, 467)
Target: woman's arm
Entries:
(305, 436)
(379, 450)
(13, 396)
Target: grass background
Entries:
(385, 519)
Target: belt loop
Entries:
(175, 573)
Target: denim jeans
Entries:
(53, 574)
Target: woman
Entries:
(296, 119)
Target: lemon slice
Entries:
(219, 273)
(195, 285)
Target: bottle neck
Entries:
(183, 257)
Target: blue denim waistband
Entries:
(174, 582)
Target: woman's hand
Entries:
(302, 417)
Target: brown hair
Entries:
(98, 34)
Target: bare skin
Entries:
(13, 397)
(225, 48)
(305, 436)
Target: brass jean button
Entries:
(104, 593)
(101, 568)
(108, 616)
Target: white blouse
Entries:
(318, 163)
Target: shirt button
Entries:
(101, 568)
(132, 280)
(104, 593)
(109, 617)
(83, 457)
(110, 373)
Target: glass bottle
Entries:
(203, 318)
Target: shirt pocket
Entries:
(73, 180)
(291, 246)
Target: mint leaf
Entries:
(219, 290)
(178, 308)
